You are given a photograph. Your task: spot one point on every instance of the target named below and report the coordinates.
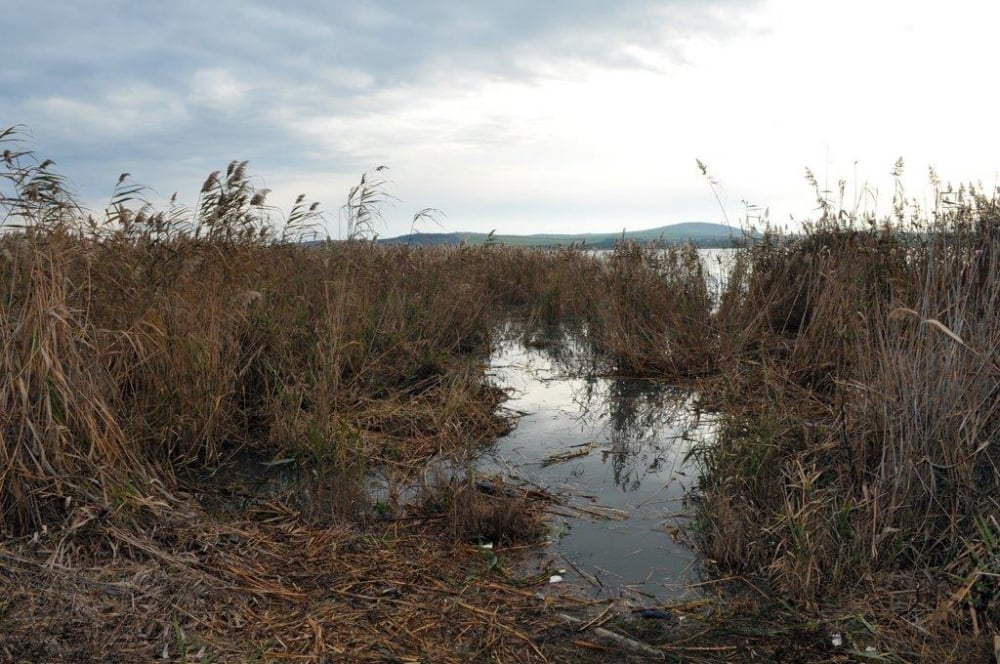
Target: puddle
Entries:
(249, 477)
(614, 449)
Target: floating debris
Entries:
(574, 452)
(595, 511)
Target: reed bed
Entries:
(145, 351)
(856, 467)
(124, 389)
(653, 317)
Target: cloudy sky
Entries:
(559, 116)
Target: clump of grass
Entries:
(652, 314)
(481, 511)
(65, 452)
(58, 416)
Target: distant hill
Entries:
(699, 233)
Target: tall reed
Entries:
(859, 383)
(652, 312)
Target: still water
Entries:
(614, 450)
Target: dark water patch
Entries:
(246, 478)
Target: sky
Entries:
(514, 116)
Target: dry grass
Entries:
(484, 511)
(854, 480)
(264, 588)
(857, 457)
(653, 314)
(141, 349)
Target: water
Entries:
(616, 535)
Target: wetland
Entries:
(223, 444)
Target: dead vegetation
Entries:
(262, 587)
(856, 469)
(144, 350)
(853, 484)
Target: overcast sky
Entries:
(559, 116)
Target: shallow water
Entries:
(637, 434)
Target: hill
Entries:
(700, 233)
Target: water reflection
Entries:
(631, 413)
(633, 435)
(637, 412)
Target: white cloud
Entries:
(217, 88)
(584, 117)
(121, 111)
